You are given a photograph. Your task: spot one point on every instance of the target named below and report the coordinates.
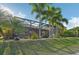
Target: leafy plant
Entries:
(34, 36)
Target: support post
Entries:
(30, 29)
(49, 31)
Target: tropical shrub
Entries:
(34, 36)
(68, 34)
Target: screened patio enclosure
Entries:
(42, 30)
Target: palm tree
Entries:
(9, 21)
(18, 24)
(51, 14)
(3, 15)
(58, 20)
(38, 8)
(54, 17)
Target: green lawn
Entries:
(40, 47)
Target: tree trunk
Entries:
(40, 30)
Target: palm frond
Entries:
(65, 20)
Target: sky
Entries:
(69, 11)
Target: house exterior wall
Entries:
(30, 31)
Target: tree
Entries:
(3, 17)
(10, 23)
(54, 17)
(18, 25)
(51, 14)
(38, 8)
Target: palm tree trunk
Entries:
(40, 29)
(49, 31)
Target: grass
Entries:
(41, 47)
